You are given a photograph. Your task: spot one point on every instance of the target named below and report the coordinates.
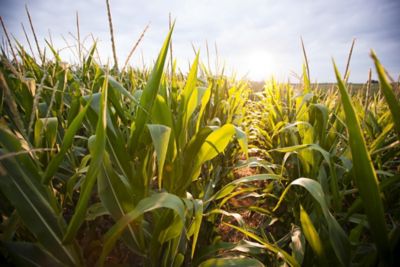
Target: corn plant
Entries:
(154, 155)
(312, 135)
(78, 140)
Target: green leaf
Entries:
(29, 254)
(322, 117)
(56, 55)
(65, 145)
(149, 95)
(306, 79)
(242, 139)
(190, 165)
(198, 218)
(155, 201)
(96, 210)
(95, 107)
(88, 62)
(13, 144)
(228, 188)
(215, 248)
(311, 233)
(190, 83)
(338, 238)
(189, 98)
(271, 247)
(161, 113)
(291, 148)
(214, 144)
(336, 198)
(238, 218)
(376, 145)
(35, 211)
(95, 164)
(117, 197)
(160, 135)
(383, 186)
(10, 226)
(46, 127)
(174, 229)
(114, 190)
(231, 261)
(204, 101)
(388, 92)
(114, 84)
(191, 106)
(365, 176)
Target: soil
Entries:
(240, 205)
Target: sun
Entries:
(256, 65)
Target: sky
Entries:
(253, 39)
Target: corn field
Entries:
(151, 167)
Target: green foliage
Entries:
(157, 157)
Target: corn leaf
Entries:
(189, 94)
(311, 233)
(29, 254)
(88, 62)
(160, 135)
(115, 85)
(338, 238)
(35, 211)
(215, 144)
(198, 218)
(228, 188)
(95, 164)
(46, 127)
(149, 95)
(365, 176)
(117, 197)
(65, 145)
(156, 201)
(387, 91)
(242, 140)
(204, 101)
(232, 261)
(271, 247)
(161, 113)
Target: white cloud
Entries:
(254, 37)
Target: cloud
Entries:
(255, 37)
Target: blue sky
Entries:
(255, 38)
